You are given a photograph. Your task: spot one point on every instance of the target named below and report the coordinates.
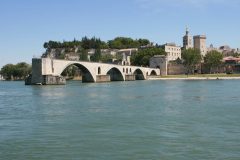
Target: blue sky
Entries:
(25, 25)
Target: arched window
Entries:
(127, 70)
(123, 70)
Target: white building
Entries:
(173, 51)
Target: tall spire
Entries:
(187, 31)
(187, 40)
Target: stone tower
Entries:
(161, 62)
(200, 43)
(187, 40)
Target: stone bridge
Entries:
(48, 71)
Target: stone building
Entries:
(126, 54)
(161, 62)
(225, 50)
(200, 43)
(187, 40)
(166, 67)
(212, 48)
(173, 51)
(112, 52)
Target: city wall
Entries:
(176, 69)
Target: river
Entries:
(140, 120)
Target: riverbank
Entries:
(198, 77)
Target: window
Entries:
(99, 70)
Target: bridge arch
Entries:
(115, 74)
(87, 75)
(139, 74)
(153, 73)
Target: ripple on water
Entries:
(126, 120)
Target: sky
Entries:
(25, 25)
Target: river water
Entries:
(147, 120)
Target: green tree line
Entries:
(18, 71)
(142, 57)
(192, 58)
(97, 43)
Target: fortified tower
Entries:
(200, 43)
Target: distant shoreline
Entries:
(176, 77)
(195, 78)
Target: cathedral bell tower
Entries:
(187, 40)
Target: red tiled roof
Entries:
(231, 59)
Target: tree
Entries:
(106, 58)
(93, 43)
(142, 57)
(71, 71)
(14, 72)
(7, 71)
(84, 55)
(213, 59)
(144, 42)
(125, 42)
(96, 56)
(236, 54)
(21, 70)
(191, 57)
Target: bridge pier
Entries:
(45, 80)
(130, 77)
(103, 78)
(53, 80)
